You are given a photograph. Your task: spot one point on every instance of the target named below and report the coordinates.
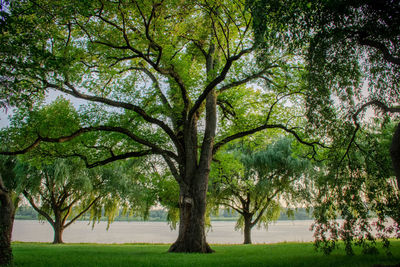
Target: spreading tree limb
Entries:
(81, 131)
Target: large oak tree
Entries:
(171, 78)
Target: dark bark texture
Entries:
(247, 229)
(7, 212)
(193, 182)
(58, 231)
(192, 237)
(193, 190)
(58, 228)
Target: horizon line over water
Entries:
(222, 232)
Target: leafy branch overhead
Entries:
(118, 56)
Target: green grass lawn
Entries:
(283, 254)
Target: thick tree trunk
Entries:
(58, 231)
(58, 227)
(247, 230)
(7, 212)
(194, 171)
(192, 237)
(395, 153)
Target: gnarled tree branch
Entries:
(81, 131)
(33, 204)
(379, 104)
(245, 80)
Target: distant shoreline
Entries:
(301, 214)
(142, 220)
(220, 232)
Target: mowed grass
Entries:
(282, 254)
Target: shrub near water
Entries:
(283, 254)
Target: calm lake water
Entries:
(157, 232)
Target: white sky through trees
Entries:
(50, 97)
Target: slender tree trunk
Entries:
(395, 153)
(247, 229)
(7, 212)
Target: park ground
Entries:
(282, 254)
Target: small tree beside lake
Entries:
(60, 191)
(254, 182)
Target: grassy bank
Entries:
(283, 254)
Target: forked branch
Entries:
(238, 135)
(217, 81)
(381, 47)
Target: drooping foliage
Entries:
(58, 185)
(257, 183)
(60, 191)
(350, 47)
(351, 53)
(142, 184)
(357, 196)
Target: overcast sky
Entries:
(3, 118)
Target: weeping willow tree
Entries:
(352, 56)
(64, 190)
(61, 191)
(256, 183)
(362, 192)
